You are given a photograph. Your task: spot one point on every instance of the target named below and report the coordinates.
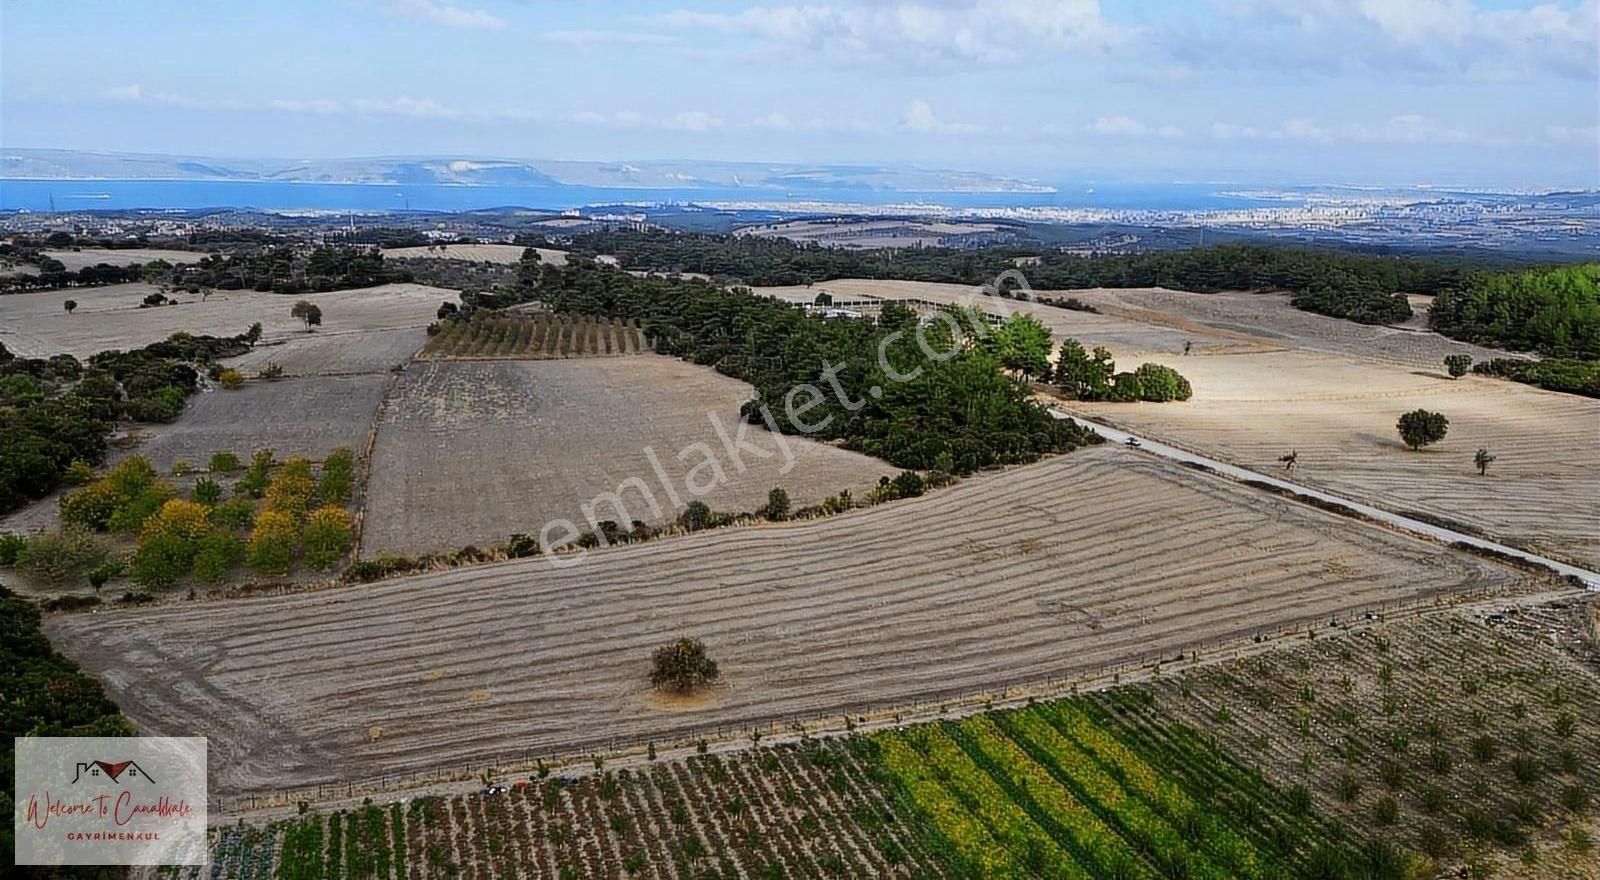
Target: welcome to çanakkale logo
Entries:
(76, 809)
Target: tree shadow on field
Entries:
(1429, 374)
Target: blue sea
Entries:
(88, 195)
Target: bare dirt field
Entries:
(305, 417)
(36, 325)
(1112, 331)
(1063, 567)
(333, 354)
(1270, 317)
(478, 253)
(75, 260)
(1339, 413)
(470, 452)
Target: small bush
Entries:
(224, 463)
(231, 379)
(60, 556)
(338, 477)
(206, 491)
(326, 537)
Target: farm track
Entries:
(1082, 562)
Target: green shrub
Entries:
(224, 463)
(218, 552)
(1159, 383)
(11, 547)
(235, 513)
(60, 556)
(338, 477)
(206, 491)
(79, 473)
(326, 537)
(257, 476)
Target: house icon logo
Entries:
(117, 772)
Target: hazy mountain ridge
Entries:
(470, 171)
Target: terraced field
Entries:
(1044, 572)
(1258, 768)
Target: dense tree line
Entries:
(1554, 311)
(1552, 374)
(53, 276)
(45, 695)
(292, 270)
(956, 414)
(1361, 287)
(57, 411)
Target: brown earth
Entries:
(1074, 564)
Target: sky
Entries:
(1381, 92)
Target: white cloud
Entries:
(1426, 37)
(1227, 131)
(596, 39)
(1407, 128)
(774, 121)
(134, 93)
(129, 92)
(694, 120)
(1573, 134)
(918, 34)
(420, 108)
(918, 117)
(442, 14)
(1128, 127)
(317, 105)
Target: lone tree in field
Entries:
(310, 313)
(1457, 365)
(69, 305)
(682, 667)
(1482, 460)
(1420, 428)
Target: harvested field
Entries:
(305, 417)
(1070, 565)
(333, 354)
(77, 259)
(1339, 413)
(1271, 317)
(1117, 333)
(520, 335)
(1146, 780)
(469, 453)
(477, 253)
(35, 325)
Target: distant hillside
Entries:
(466, 171)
